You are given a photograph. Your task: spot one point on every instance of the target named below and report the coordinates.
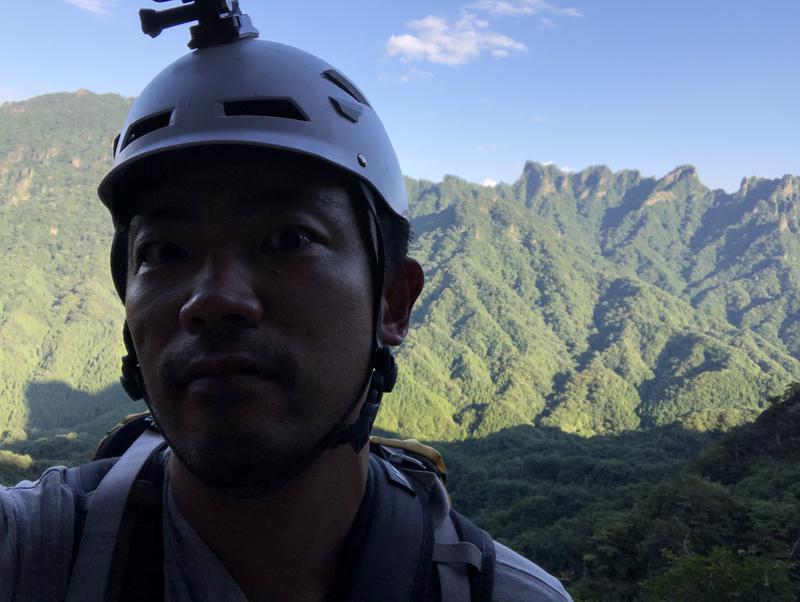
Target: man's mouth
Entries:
(225, 369)
(245, 365)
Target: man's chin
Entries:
(245, 466)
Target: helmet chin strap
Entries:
(383, 370)
(380, 379)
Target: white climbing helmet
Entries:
(264, 94)
(234, 90)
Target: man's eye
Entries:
(287, 239)
(155, 253)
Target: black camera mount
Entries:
(218, 21)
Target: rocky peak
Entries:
(746, 185)
(593, 176)
(679, 174)
(540, 178)
(783, 192)
(790, 187)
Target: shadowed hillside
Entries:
(667, 514)
(664, 514)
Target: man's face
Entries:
(249, 301)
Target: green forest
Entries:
(605, 359)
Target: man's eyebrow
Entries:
(169, 213)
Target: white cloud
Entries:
(490, 183)
(442, 41)
(98, 7)
(456, 41)
(512, 8)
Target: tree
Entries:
(722, 575)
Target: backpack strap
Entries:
(463, 554)
(395, 562)
(83, 481)
(137, 570)
(116, 557)
(92, 565)
(452, 557)
(481, 573)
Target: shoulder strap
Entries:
(83, 481)
(464, 558)
(481, 573)
(395, 563)
(137, 570)
(462, 553)
(95, 553)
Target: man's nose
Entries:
(223, 299)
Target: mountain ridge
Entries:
(593, 301)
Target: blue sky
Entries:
(476, 88)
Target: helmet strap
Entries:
(383, 370)
(131, 379)
(382, 381)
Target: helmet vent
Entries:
(264, 107)
(147, 125)
(345, 84)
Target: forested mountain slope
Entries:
(598, 302)
(59, 316)
(594, 302)
(669, 514)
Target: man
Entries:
(260, 250)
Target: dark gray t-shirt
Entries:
(36, 539)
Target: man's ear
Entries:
(401, 292)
